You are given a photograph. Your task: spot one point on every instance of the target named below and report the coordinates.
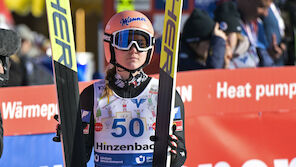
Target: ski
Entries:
(66, 81)
(167, 82)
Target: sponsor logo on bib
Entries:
(98, 127)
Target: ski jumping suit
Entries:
(119, 126)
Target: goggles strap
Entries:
(112, 52)
(107, 37)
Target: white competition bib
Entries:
(123, 127)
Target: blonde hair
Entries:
(240, 37)
(110, 72)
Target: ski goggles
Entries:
(124, 39)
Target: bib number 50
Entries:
(116, 124)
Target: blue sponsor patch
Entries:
(178, 112)
(138, 103)
(85, 116)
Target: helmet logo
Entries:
(126, 21)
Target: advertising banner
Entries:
(33, 151)
(240, 118)
(30, 109)
(233, 118)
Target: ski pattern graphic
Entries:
(66, 80)
(167, 81)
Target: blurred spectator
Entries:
(274, 28)
(206, 5)
(9, 44)
(288, 10)
(202, 43)
(17, 74)
(253, 28)
(236, 54)
(30, 65)
(274, 24)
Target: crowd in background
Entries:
(232, 34)
(224, 34)
(32, 64)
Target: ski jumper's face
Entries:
(130, 59)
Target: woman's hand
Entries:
(220, 33)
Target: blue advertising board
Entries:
(33, 151)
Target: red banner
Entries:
(240, 118)
(30, 109)
(234, 118)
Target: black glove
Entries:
(57, 138)
(172, 143)
(178, 150)
(173, 140)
